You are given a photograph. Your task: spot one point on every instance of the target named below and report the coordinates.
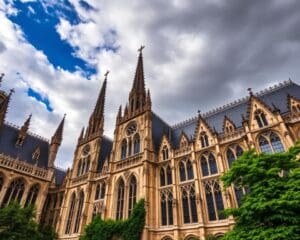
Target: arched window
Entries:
(233, 152)
(204, 140)
(169, 175)
(162, 177)
(260, 118)
(212, 164)
(32, 195)
(97, 194)
(1, 181)
(14, 192)
(123, 149)
(132, 194)
(79, 168)
(208, 164)
(190, 173)
(88, 161)
(166, 205)
(189, 205)
(83, 167)
(103, 186)
(239, 194)
(214, 200)
(165, 153)
(129, 147)
(120, 200)
(270, 142)
(79, 212)
(182, 171)
(136, 144)
(71, 214)
(204, 166)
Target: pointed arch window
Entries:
(204, 140)
(270, 142)
(103, 188)
(83, 167)
(208, 164)
(165, 153)
(214, 200)
(239, 193)
(120, 200)
(169, 175)
(136, 144)
(233, 152)
(32, 195)
(14, 192)
(71, 213)
(129, 147)
(97, 193)
(166, 205)
(123, 149)
(79, 168)
(190, 172)
(79, 212)
(182, 171)
(132, 194)
(162, 177)
(260, 118)
(189, 205)
(1, 181)
(88, 161)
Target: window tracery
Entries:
(32, 195)
(120, 200)
(233, 152)
(270, 142)
(204, 139)
(260, 118)
(208, 164)
(189, 205)
(132, 194)
(166, 205)
(14, 192)
(186, 171)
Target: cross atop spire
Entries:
(141, 48)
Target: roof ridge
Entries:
(32, 134)
(235, 103)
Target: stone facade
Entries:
(176, 169)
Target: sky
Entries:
(200, 54)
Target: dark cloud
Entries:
(248, 44)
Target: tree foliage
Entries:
(130, 229)
(271, 208)
(17, 223)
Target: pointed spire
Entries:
(25, 126)
(139, 81)
(57, 137)
(4, 106)
(126, 110)
(1, 78)
(148, 99)
(81, 134)
(99, 108)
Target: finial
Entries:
(199, 113)
(141, 48)
(1, 77)
(106, 74)
(250, 91)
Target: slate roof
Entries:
(277, 95)
(59, 176)
(8, 138)
(105, 150)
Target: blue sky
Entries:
(198, 55)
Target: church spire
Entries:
(57, 137)
(97, 117)
(137, 96)
(4, 107)
(23, 131)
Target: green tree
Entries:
(271, 209)
(17, 223)
(130, 229)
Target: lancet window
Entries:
(208, 164)
(270, 142)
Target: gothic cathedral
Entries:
(176, 169)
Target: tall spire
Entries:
(26, 124)
(4, 106)
(97, 117)
(57, 137)
(137, 96)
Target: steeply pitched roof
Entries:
(8, 137)
(106, 146)
(276, 95)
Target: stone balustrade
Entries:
(23, 167)
(128, 162)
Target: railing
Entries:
(127, 162)
(79, 179)
(23, 167)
